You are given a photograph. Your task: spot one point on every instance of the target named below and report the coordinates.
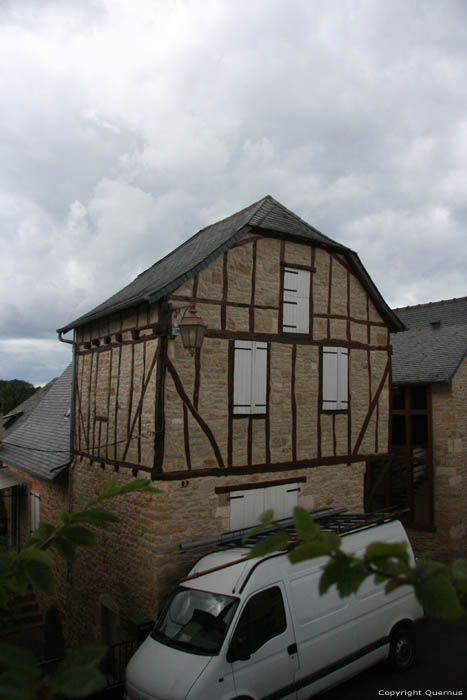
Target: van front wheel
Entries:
(402, 649)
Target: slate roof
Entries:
(198, 251)
(18, 415)
(40, 443)
(434, 344)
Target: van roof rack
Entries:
(332, 520)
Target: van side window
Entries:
(262, 618)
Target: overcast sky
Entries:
(125, 127)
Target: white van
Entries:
(257, 629)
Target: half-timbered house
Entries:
(283, 404)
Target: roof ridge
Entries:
(261, 202)
(298, 218)
(429, 303)
(201, 230)
(266, 200)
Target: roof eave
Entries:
(53, 475)
(156, 295)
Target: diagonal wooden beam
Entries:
(201, 422)
(78, 396)
(371, 408)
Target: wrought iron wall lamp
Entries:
(191, 326)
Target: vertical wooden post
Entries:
(159, 437)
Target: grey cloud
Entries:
(128, 129)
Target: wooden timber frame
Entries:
(143, 403)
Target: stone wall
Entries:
(138, 561)
(449, 411)
(53, 498)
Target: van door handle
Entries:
(292, 649)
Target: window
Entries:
(250, 377)
(195, 621)
(335, 379)
(246, 506)
(35, 510)
(262, 619)
(296, 301)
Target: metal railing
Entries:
(115, 661)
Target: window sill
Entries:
(249, 415)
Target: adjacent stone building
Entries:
(428, 470)
(35, 455)
(283, 404)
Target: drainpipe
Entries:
(72, 415)
(69, 574)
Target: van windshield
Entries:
(195, 621)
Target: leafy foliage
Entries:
(438, 588)
(13, 392)
(78, 674)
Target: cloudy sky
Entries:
(127, 126)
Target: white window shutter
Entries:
(290, 305)
(303, 316)
(259, 377)
(330, 379)
(282, 499)
(342, 378)
(242, 376)
(296, 301)
(335, 378)
(246, 506)
(35, 510)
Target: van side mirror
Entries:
(238, 650)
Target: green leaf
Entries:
(305, 526)
(65, 548)
(12, 656)
(264, 519)
(78, 676)
(138, 485)
(110, 488)
(277, 541)
(79, 682)
(333, 540)
(88, 655)
(96, 516)
(345, 573)
(17, 584)
(377, 552)
(5, 563)
(425, 568)
(15, 684)
(44, 530)
(64, 516)
(392, 584)
(438, 597)
(459, 574)
(38, 569)
(4, 597)
(308, 550)
(79, 535)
